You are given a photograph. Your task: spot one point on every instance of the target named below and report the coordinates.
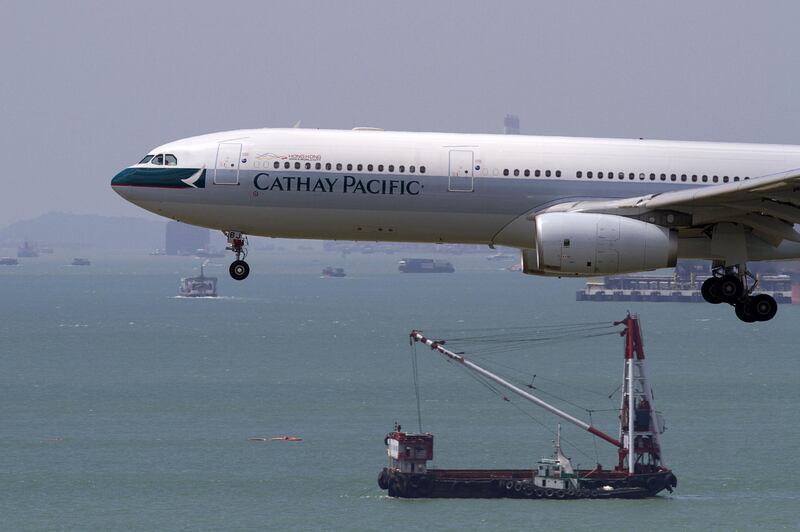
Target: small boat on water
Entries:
(329, 271)
(425, 266)
(81, 262)
(200, 286)
(26, 250)
(8, 261)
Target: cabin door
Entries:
(461, 166)
(227, 170)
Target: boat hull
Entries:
(518, 484)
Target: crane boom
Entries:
(416, 336)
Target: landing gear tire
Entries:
(239, 270)
(710, 291)
(763, 307)
(744, 310)
(730, 288)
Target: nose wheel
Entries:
(237, 243)
(735, 286)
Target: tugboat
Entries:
(329, 271)
(201, 286)
(640, 471)
(81, 262)
(425, 266)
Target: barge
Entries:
(200, 286)
(640, 470)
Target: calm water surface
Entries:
(125, 408)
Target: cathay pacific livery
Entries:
(573, 206)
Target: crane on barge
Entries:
(641, 470)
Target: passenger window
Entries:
(297, 166)
(276, 164)
(505, 171)
(631, 176)
(338, 166)
(663, 177)
(537, 173)
(349, 167)
(391, 168)
(578, 174)
(158, 159)
(641, 176)
(421, 169)
(620, 176)
(360, 167)
(527, 173)
(673, 177)
(146, 159)
(725, 179)
(736, 178)
(652, 177)
(589, 175)
(327, 166)
(369, 168)
(716, 179)
(318, 166)
(516, 172)
(170, 160)
(402, 168)
(547, 173)
(380, 168)
(308, 166)
(558, 173)
(705, 179)
(599, 175)
(683, 177)
(287, 165)
(411, 169)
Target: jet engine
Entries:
(585, 244)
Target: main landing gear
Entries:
(735, 286)
(237, 243)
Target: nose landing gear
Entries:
(735, 286)
(237, 243)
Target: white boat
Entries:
(200, 286)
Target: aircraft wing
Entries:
(769, 205)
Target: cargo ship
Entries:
(425, 266)
(672, 288)
(640, 470)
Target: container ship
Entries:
(640, 470)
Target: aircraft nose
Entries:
(121, 182)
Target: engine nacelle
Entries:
(586, 244)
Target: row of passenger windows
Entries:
(162, 159)
(358, 167)
(536, 173)
(694, 178)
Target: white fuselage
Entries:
(425, 187)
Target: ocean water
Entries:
(123, 407)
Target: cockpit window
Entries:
(158, 159)
(146, 159)
(170, 160)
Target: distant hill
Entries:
(60, 229)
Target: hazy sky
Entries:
(88, 88)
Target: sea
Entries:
(124, 407)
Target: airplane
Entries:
(572, 206)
